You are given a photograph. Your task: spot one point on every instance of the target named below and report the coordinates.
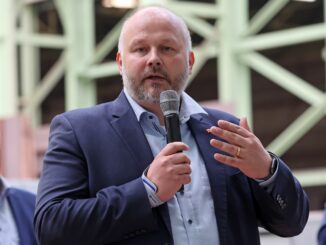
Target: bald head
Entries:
(156, 14)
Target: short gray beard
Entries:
(138, 92)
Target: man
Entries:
(16, 215)
(110, 178)
(322, 230)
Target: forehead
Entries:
(151, 24)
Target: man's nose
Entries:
(154, 58)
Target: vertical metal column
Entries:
(78, 21)
(8, 60)
(30, 63)
(233, 76)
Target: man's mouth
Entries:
(155, 77)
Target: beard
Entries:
(136, 88)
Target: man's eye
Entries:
(167, 49)
(140, 50)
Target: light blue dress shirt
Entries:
(191, 212)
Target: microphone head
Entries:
(169, 102)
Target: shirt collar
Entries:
(188, 107)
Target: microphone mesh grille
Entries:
(169, 102)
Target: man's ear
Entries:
(119, 62)
(191, 61)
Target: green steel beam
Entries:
(42, 40)
(282, 77)
(80, 91)
(297, 129)
(264, 16)
(206, 10)
(201, 27)
(101, 70)
(30, 63)
(311, 177)
(8, 61)
(282, 38)
(204, 52)
(50, 80)
(233, 77)
(109, 42)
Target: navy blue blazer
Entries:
(22, 205)
(91, 192)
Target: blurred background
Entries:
(256, 58)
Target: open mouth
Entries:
(155, 77)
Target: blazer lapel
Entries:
(215, 170)
(125, 123)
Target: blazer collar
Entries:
(124, 121)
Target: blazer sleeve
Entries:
(282, 206)
(65, 211)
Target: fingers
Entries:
(229, 136)
(181, 172)
(232, 133)
(230, 149)
(173, 148)
(231, 161)
(243, 149)
(170, 169)
(237, 129)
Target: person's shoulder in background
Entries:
(322, 230)
(22, 205)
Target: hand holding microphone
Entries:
(170, 104)
(171, 167)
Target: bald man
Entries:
(110, 178)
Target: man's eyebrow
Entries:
(169, 40)
(137, 41)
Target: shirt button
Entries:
(189, 221)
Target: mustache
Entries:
(156, 71)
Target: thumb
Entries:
(244, 123)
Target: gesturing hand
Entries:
(244, 149)
(169, 170)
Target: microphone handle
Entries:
(172, 126)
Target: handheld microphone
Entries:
(169, 103)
